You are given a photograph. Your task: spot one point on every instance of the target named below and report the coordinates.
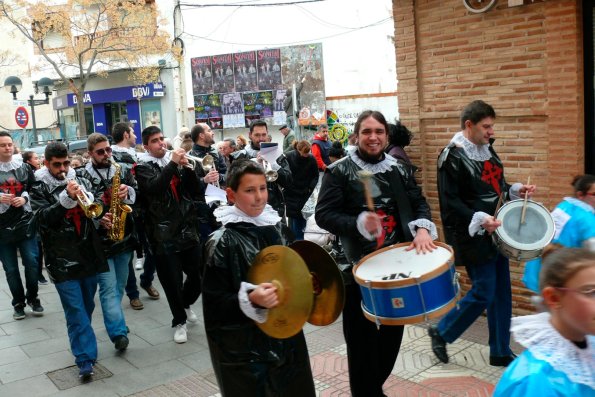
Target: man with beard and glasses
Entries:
(401, 214)
(168, 190)
(100, 172)
(73, 252)
(16, 179)
(258, 134)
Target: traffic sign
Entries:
(21, 116)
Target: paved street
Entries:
(34, 350)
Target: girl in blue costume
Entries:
(560, 356)
(575, 224)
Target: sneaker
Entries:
(36, 308)
(139, 264)
(121, 342)
(43, 281)
(86, 370)
(153, 293)
(19, 312)
(136, 304)
(191, 316)
(180, 334)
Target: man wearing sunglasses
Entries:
(16, 179)
(73, 254)
(100, 172)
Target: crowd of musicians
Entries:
(88, 223)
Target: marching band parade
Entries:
(227, 225)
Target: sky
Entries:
(358, 51)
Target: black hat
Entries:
(283, 126)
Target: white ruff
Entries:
(43, 174)
(103, 171)
(385, 165)
(129, 150)
(473, 151)
(162, 162)
(537, 334)
(251, 151)
(232, 214)
(13, 164)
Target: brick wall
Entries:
(525, 61)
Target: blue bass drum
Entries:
(402, 287)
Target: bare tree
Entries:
(81, 38)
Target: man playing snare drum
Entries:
(471, 185)
(399, 213)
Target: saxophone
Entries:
(117, 209)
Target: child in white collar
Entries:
(560, 355)
(247, 362)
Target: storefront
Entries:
(138, 105)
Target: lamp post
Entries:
(13, 85)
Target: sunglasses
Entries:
(58, 164)
(101, 152)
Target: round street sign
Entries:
(21, 116)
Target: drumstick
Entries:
(523, 212)
(364, 177)
(499, 204)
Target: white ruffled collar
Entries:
(105, 172)
(251, 151)
(129, 150)
(473, 151)
(43, 175)
(385, 165)
(13, 164)
(161, 162)
(574, 201)
(537, 334)
(232, 214)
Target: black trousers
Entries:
(180, 294)
(371, 352)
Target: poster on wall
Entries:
(233, 110)
(207, 109)
(222, 73)
(269, 69)
(201, 108)
(245, 71)
(202, 76)
(279, 115)
(258, 105)
(215, 113)
(304, 62)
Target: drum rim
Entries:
(389, 284)
(418, 318)
(502, 236)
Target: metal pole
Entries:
(182, 117)
(32, 104)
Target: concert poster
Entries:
(245, 71)
(207, 108)
(233, 110)
(258, 105)
(202, 79)
(304, 62)
(279, 115)
(269, 69)
(223, 80)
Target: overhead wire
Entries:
(249, 4)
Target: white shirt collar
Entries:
(232, 214)
(473, 151)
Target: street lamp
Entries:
(13, 85)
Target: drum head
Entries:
(388, 263)
(537, 231)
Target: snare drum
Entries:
(523, 241)
(402, 287)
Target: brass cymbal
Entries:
(327, 282)
(283, 267)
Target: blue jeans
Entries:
(76, 297)
(111, 290)
(490, 290)
(297, 226)
(29, 255)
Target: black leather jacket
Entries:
(465, 187)
(14, 222)
(71, 245)
(220, 166)
(102, 190)
(397, 199)
(167, 196)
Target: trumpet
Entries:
(89, 207)
(270, 174)
(207, 163)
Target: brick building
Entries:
(533, 62)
